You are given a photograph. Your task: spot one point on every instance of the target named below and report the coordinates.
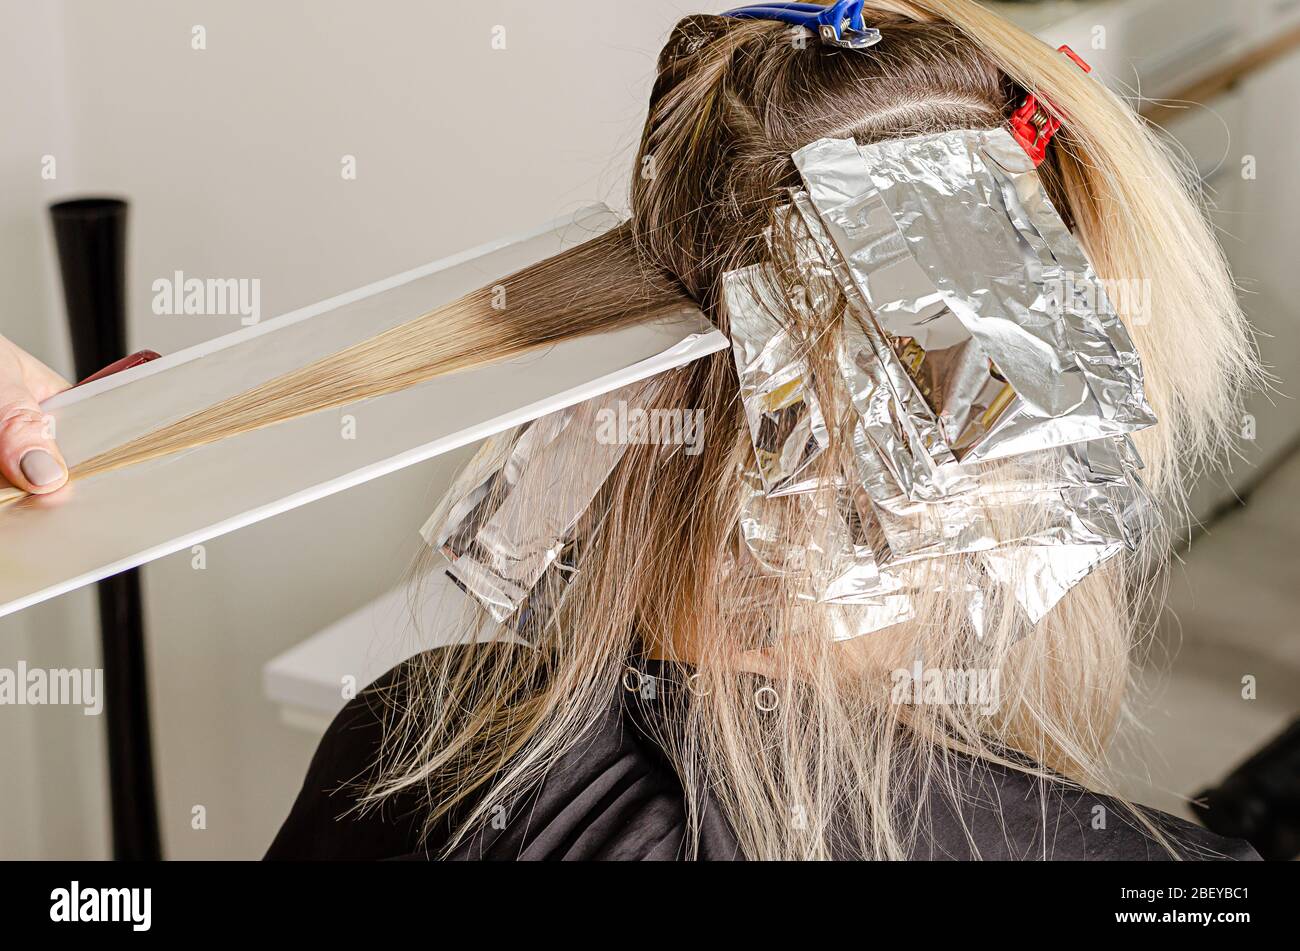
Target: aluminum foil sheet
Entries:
(993, 385)
(987, 381)
(785, 419)
(821, 541)
(830, 561)
(995, 331)
(511, 515)
(921, 496)
(816, 537)
(1038, 578)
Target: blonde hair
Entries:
(476, 728)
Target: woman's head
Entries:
(732, 101)
(734, 98)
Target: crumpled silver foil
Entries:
(785, 419)
(970, 272)
(1038, 578)
(993, 400)
(511, 514)
(989, 385)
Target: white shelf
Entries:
(312, 682)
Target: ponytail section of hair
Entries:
(596, 286)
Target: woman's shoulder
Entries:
(327, 820)
(1007, 814)
(610, 797)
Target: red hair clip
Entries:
(1033, 126)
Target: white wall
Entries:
(51, 758)
(231, 159)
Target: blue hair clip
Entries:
(840, 24)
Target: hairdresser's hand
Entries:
(29, 459)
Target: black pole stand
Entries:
(91, 237)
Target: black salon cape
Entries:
(616, 797)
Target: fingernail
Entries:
(40, 468)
